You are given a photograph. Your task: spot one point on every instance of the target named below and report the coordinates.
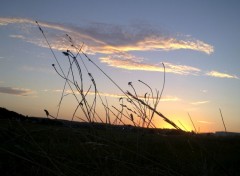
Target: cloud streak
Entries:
(16, 91)
(130, 62)
(165, 99)
(221, 75)
(199, 102)
(205, 122)
(17, 36)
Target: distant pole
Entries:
(192, 123)
(223, 120)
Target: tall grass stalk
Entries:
(223, 120)
(192, 123)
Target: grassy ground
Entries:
(28, 148)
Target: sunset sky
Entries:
(198, 42)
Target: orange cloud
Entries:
(199, 102)
(205, 122)
(166, 98)
(174, 44)
(221, 75)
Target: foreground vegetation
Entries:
(51, 147)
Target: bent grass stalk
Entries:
(192, 123)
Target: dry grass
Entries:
(137, 109)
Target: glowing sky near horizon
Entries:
(198, 42)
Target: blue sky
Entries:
(196, 40)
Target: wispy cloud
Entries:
(2, 23)
(130, 62)
(16, 91)
(165, 98)
(204, 91)
(205, 122)
(199, 102)
(181, 69)
(221, 75)
(108, 38)
(29, 68)
(17, 36)
(170, 98)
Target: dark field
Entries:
(49, 148)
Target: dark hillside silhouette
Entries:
(7, 114)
